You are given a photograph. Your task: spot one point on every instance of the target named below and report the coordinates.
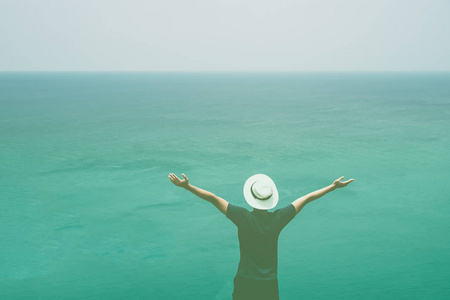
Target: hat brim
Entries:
(256, 203)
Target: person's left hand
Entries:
(181, 183)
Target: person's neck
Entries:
(259, 210)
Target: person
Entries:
(258, 230)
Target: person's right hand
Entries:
(181, 183)
(338, 184)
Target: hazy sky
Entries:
(225, 35)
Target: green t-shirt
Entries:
(258, 233)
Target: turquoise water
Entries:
(87, 210)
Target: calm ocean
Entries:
(88, 212)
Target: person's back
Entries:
(258, 233)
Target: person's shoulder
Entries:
(286, 208)
(238, 215)
(234, 205)
(285, 214)
(287, 211)
(236, 209)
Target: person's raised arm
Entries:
(302, 201)
(219, 203)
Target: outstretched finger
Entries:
(348, 181)
(184, 176)
(174, 178)
(340, 178)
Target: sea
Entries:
(88, 211)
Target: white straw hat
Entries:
(260, 192)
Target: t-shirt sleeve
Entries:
(286, 214)
(238, 215)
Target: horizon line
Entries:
(224, 71)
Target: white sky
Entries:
(225, 35)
